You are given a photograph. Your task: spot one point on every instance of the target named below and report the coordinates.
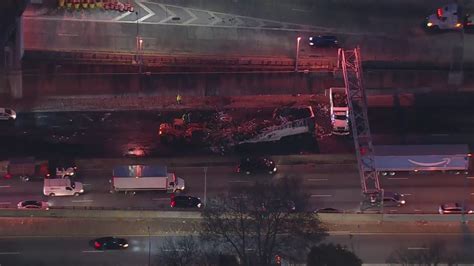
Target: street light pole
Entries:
(205, 185)
(297, 53)
(149, 246)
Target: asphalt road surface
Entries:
(372, 249)
(327, 185)
(250, 28)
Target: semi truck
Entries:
(339, 111)
(132, 178)
(448, 17)
(390, 159)
(28, 169)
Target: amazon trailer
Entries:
(391, 159)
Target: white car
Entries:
(33, 204)
(7, 114)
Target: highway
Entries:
(77, 251)
(209, 27)
(327, 185)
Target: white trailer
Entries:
(339, 111)
(132, 178)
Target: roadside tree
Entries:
(262, 221)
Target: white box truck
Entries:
(339, 111)
(62, 187)
(132, 178)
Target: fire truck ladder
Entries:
(357, 100)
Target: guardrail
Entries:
(188, 61)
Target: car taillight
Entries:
(238, 169)
(173, 203)
(97, 244)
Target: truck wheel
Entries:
(76, 194)
(178, 191)
(52, 194)
(247, 173)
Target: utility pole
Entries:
(205, 185)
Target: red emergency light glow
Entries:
(439, 12)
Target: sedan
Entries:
(7, 114)
(251, 165)
(185, 202)
(453, 208)
(110, 243)
(33, 204)
(323, 41)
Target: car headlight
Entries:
(125, 245)
(199, 205)
(274, 169)
(310, 38)
(402, 202)
(81, 191)
(429, 24)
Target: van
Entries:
(62, 187)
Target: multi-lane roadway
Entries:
(145, 250)
(333, 185)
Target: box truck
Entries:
(132, 178)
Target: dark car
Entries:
(110, 243)
(251, 165)
(393, 199)
(328, 210)
(185, 202)
(323, 41)
(453, 208)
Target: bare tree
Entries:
(433, 253)
(261, 221)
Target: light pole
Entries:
(205, 185)
(297, 53)
(149, 246)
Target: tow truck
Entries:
(448, 18)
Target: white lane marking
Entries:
(317, 179)
(239, 181)
(417, 248)
(68, 35)
(10, 253)
(472, 194)
(5, 186)
(319, 195)
(150, 12)
(160, 199)
(406, 194)
(5, 203)
(193, 16)
(92, 251)
(126, 13)
(86, 184)
(170, 14)
(417, 210)
(397, 178)
(300, 10)
(83, 200)
(470, 177)
(393, 210)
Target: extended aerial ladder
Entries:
(357, 101)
